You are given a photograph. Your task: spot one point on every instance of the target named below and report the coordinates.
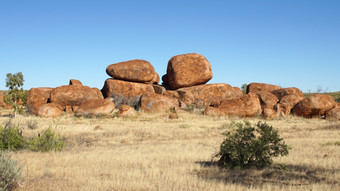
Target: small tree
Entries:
(14, 82)
(244, 88)
(248, 146)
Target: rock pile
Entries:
(134, 85)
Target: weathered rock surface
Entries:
(187, 70)
(280, 93)
(75, 82)
(261, 87)
(315, 105)
(334, 113)
(158, 103)
(288, 102)
(37, 97)
(126, 93)
(126, 111)
(158, 89)
(203, 95)
(269, 113)
(247, 106)
(95, 107)
(49, 110)
(268, 100)
(132, 70)
(128, 89)
(71, 95)
(155, 79)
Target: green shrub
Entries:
(11, 138)
(10, 172)
(251, 147)
(45, 142)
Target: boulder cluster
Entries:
(134, 85)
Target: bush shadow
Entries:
(278, 174)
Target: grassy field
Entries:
(153, 152)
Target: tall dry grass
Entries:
(153, 152)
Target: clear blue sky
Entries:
(288, 43)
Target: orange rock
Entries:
(128, 89)
(75, 82)
(158, 89)
(71, 95)
(333, 113)
(268, 100)
(288, 102)
(126, 111)
(269, 113)
(49, 110)
(132, 70)
(203, 95)
(37, 97)
(261, 87)
(158, 103)
(95, 107)
(155, 79)
(315, 105)
(280, 93)
(187, 70)
(247, 106)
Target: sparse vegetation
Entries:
(11, 138)
(10, 172)
(251, 146)
(151, 152)
(244, 88)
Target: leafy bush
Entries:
(11, 138)
(10, 172)
(249, 147)
(46, 142)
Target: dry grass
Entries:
(152, 152)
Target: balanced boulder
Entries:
(314, 105)
(71, 95)
(187, 70)
(261, 87)
(158, 103)
(95, 107)
(49, 110)
(37, 97)
(247, 106)
(132, 70)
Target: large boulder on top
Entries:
(49, 110)
(75, 82)
(203, 95)
(268, 100)
(280, 93)
(37, 97)
(95, 107)
(247, 106)
(158, 103)
(125, 93)
(187, 70)
(71, 95)
(261, 87)
(314, 105)
(132, 70)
